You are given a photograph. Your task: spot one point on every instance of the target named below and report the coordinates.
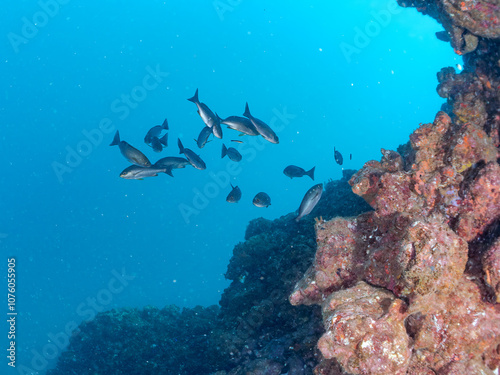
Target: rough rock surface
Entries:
(432, 245)
(254, 331)
(366, 330)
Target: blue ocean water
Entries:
(357, 76)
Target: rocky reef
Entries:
(254, 331)
(145, 341)
(406, 283)
(413, 286)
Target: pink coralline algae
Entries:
(366, 330)
(393, 283)
(413, 287)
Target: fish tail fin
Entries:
(311, 173)
(165, 124)
(224, 151)
(181, 147)
(247, 111)
(194, 99)
(218, 117)
(116, 139)
(164, 140)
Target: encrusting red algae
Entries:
(414, 286)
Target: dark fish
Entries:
(134, 172)
(172, 162)
(208, 117)
(263, 129)
(132, 154)
(158, 143)
(443, 36)
(235, 195)
(203, 137)
(193, 158)
(294, 171)
(231, 152)
(310, 201)
(155, 131)
(241, 124)
(350, 156)
(338, 157)
(262, 200)
(237, 141)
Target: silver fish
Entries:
(132, 154)
(193, 158)
(208, 117)
(135, 172)
(263, 129)
(310, 201)
(294, 171)
(262, 200)
(217, 130)
(231, 152)
(241, 124)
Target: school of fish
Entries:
(248, 125)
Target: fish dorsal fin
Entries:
(247, 111)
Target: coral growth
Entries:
(415, 246)
(412, 287)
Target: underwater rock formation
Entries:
(146, 341)
(413, 287)
(409, 284)
(255, 330)
(366, 331)
(464, 21)
(415, 246)
(258, 322)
